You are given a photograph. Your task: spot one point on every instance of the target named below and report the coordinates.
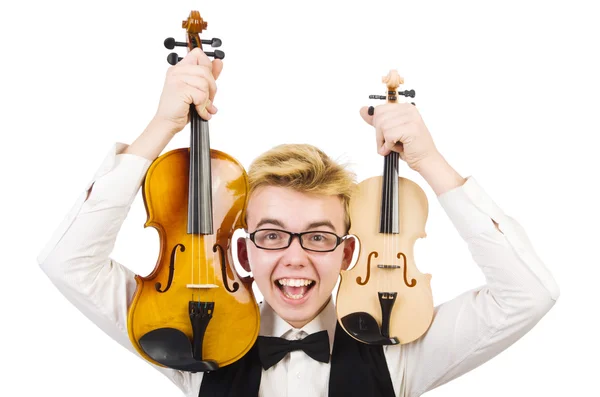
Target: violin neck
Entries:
(200, 220)
(389, 219)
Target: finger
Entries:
(380, 141)
(212, 109)
(391, 146)
(192, 74)
(393, 132)
(207, 85)
(399, 109)
(195, 57)
(364, 113)
(383, 147)
(390, 122)
(377, 122)
(203, 110)
(200, 100)
(217, 68)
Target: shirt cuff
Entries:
(117, 180)
(470, 209)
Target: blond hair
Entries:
(306, 169)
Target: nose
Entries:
(295, 255)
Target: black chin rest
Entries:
(364, 327)
(172, 348)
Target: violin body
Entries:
(236, 314)
(384, 299)
(359, 286)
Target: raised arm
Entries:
(477, 325)
(77, 257)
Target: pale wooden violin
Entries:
(384, 299)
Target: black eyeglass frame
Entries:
(299, 235)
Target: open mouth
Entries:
(294, 288)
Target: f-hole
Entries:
(171, 269)
(236, 286)
(359, 279)
(413, 282)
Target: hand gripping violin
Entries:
(194, 312)
(384, 299)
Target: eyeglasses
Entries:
(275, 239)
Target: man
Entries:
(297, 220)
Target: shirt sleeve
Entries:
(77, 257)
(478, 324)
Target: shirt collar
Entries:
(271, 324)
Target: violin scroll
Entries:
(194, 25)
(393, 81)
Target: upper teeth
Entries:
(294, 282)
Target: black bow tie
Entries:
(272, 349)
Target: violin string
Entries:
(389, 254)
(390, 213)
(396, 206)
(395, 202)
(392, 244)
(201, 169)
(384, 223)
(393, 223)
(387, 237)
(392, 252)
(192, 186)
(201, 237)
(395, 209)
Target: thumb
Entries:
(364, 112)
(217, 67)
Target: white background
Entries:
(509, 91)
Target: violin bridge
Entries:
(389, 266)
(201, 286)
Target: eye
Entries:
(321, 238)
(272, 236)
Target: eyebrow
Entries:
(310, 226)
(271, 221)
(321, 223)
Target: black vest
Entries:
(357, 369)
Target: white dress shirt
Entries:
(465, 332)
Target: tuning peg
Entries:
(170, 43)
(213, 42)
(377, 97)
(410, 93)
(217, 54)
(173, 58)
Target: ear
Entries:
(242, 252)
(349, 246)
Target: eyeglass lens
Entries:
(275, 239)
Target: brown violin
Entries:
(384, 299)
(194, 312)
